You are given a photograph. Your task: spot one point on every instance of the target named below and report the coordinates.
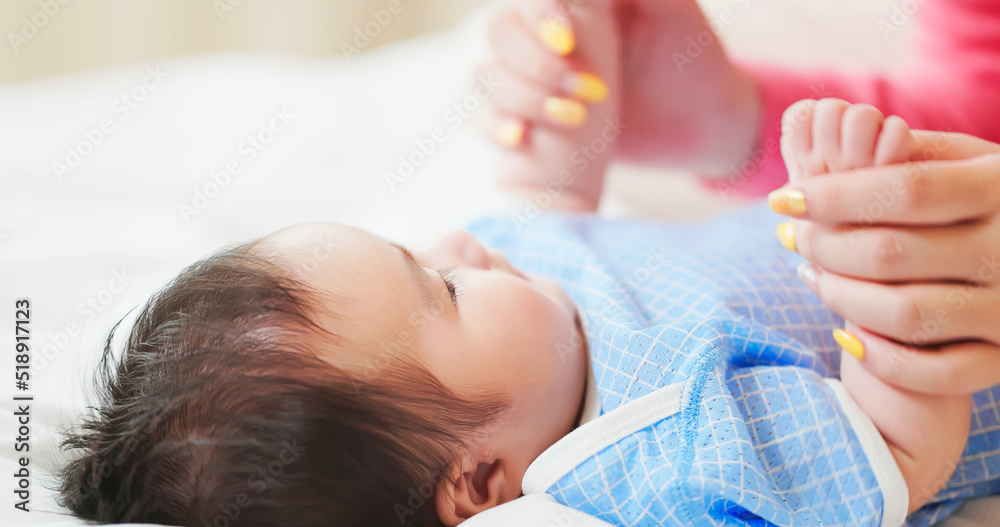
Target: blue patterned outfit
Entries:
(715, 369)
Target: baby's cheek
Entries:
(557, 342)
(536, 332)
(546, 371)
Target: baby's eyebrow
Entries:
(420, 278)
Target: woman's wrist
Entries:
(549, 184)
(733, 135)
(713, 138)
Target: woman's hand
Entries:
(685, 104)
(908, 254)
(556, 107)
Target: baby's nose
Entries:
(499, 261)
(473, 253)
(459, 247)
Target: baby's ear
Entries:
(480, 484)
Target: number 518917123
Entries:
(22, 343)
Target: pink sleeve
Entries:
(953, 85)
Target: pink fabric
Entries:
(952, 85)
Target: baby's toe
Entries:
(828, 119)
(796, 137)
(895, 143)
(859, 135)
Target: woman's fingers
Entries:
(519, 48)
(506, 130)
(968, 252)
(908, 254)
(921, 194)
(951, 146)
(556, 22)
(922, 313)
(962, 368)
(523, 98)
(537, 84)
(550, 22)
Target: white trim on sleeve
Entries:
(895, 495)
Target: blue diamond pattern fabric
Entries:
(760, 436)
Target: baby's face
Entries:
(503, 332)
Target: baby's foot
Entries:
(832, 135)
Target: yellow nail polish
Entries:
(786, 235)
(787, 201)
(567, 112)
(586, 86)
(510, 134)
(850, 343)
(557, 35)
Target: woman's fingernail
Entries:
(585, 86)
(510, 134)
(567, 112)
(786, 235)
(809, 276)
(557, 35)
(850, 343)
(787, 201)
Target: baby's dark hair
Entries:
(221, 412)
